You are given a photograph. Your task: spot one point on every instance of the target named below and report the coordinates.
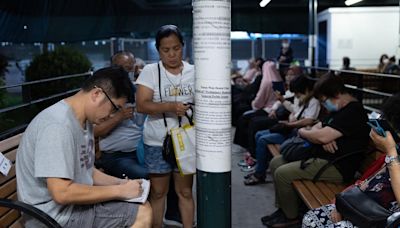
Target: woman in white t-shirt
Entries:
(174, 78)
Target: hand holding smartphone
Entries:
(377, 127)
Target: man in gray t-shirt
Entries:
(54, 165)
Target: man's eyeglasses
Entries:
(108, 97)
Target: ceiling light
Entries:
(263, 3)
(350, 2)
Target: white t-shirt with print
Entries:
(154, 128)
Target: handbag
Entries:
(184, 143)
(167, 146)
(363, 211)
(296, 149)
(168, 150)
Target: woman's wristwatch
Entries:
(390, 160)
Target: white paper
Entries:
(145, 194)
(5, 165)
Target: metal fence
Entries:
(15, 118)
(370, 88)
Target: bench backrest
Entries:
(8, 184)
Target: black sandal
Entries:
(253, 180)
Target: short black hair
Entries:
(166, 31)
(329, 85)
(391, 111)
(300, 84)
(346, 61)
(113, 80)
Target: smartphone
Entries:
(279, 86)
(374, 123)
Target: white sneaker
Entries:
(173, 223)
(248, 168)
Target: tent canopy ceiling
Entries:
(73, 20)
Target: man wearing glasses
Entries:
(55, 160)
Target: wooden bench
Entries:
(10, 208)
(318, 193)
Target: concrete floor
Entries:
(249, 203)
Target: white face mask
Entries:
(385, 61)
(285, 45)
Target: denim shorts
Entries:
(107, 214)
(154, 161)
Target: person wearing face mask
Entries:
(305, 111)
(285, 57)
(377, 187)
(343, 131)
(383, 61)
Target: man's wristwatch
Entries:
(390, 159)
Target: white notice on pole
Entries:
(212, 56)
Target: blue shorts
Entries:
(154, 161)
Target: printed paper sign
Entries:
(5, 165)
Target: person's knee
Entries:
(274, 164)
(158, 194)
(283, 174)
(144, 217)
(185, 193)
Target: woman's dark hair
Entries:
(300, 84)
(113, 80)
(391, 111)
(329, 85)
(166, 31)
(261, 62)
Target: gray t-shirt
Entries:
(53, 145)
(125, 136)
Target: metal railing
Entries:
(27, 105)
(369, 88)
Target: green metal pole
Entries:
(214, 200)
(212, 58)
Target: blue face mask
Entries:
(331, 107)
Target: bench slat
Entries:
(4, 210)
(306, 195)
(322, 199)
(10, 175)
(10, 143)
(18, 224)
(336, 187)
(9, 218)
(8, 188)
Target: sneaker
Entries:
(251, 161)
(249, 168)
(170, 222)
(242, 163)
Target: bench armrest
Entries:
(30, 210)
(330, 163)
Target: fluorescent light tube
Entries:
(350, 2)
(263, 3)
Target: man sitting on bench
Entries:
(55, 160)
(345, 130)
